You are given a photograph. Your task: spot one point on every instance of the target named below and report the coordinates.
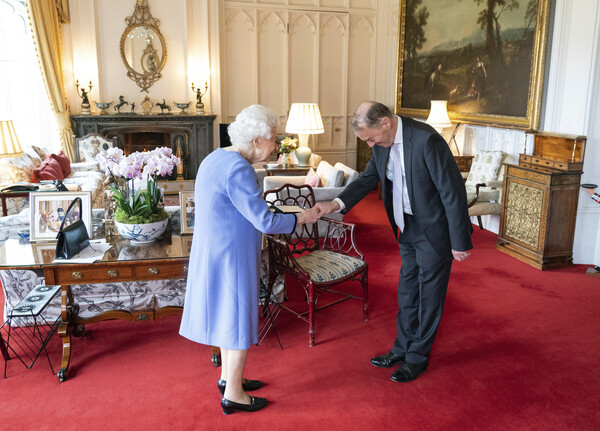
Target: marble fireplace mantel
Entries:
(194, 133)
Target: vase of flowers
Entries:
(287, 146)
(140, 215)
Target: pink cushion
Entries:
(312, 179)
(63, 161)
(50, 169)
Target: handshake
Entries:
(311, 215)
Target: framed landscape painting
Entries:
(486, 58)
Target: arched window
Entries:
(23, 97)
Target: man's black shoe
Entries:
(409, 372)
(387, 360)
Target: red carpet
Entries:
(517, 349)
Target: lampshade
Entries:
(9, 143)
(304, 119)
(438, 116)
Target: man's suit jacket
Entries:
(436, 188)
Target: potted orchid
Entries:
(140, 214)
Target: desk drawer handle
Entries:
(153, 270)
(113, 273)
(185, 268)
(77, 275)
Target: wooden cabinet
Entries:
(539, 208)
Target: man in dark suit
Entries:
(426, 203)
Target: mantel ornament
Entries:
(143, 48)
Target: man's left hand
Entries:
(460, 255)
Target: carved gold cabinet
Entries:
(539, 208)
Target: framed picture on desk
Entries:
(47, 212)
(187, 212)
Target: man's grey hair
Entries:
(254, 121)
(370, 117)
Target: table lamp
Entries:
(9, 143)
(438, 116)
(304, 119)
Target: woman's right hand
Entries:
(310, 215)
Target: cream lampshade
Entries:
(9, 143)
(438, 116)
(304, 119)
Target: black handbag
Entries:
(72, 238)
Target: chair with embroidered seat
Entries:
(318, 264)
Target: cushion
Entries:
(50, 169)
(324, 265)
(349, 173)
(35, 158)
(64, 162)
(312, 179)
(486, 166)
(330, 177)
(41, 151)
(16, 169)
(488, 194)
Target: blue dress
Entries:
(221, 299)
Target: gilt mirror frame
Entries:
(443, 54)
(150, 72)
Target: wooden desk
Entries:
(112, 268)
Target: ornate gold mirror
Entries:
(143, 48)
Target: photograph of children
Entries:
(187, 211)
(49, 211)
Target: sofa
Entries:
(38, 163)
(327, 181)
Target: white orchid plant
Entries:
(138, 206)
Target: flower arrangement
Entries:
(288, 145)
(138, 206)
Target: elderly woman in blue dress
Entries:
(221, 301)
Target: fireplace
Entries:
(189, 136)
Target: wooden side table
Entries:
(289, 170)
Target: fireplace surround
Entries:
(191, 136)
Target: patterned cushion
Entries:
(16, 169)
(486, 166)
(324, 265)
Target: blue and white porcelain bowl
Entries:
(142, 233)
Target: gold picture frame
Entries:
(447, 52)
(47, 210)
(186, 212)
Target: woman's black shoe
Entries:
(256, 403)
(247, 385)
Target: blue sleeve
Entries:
(244, 192)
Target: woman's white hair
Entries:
(255, 121)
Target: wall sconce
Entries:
(304, 119)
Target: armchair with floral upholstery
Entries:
(484, 183)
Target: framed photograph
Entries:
(186, 244)
(44, 252)
(486, 58)
(187, 212)
(48, 210)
